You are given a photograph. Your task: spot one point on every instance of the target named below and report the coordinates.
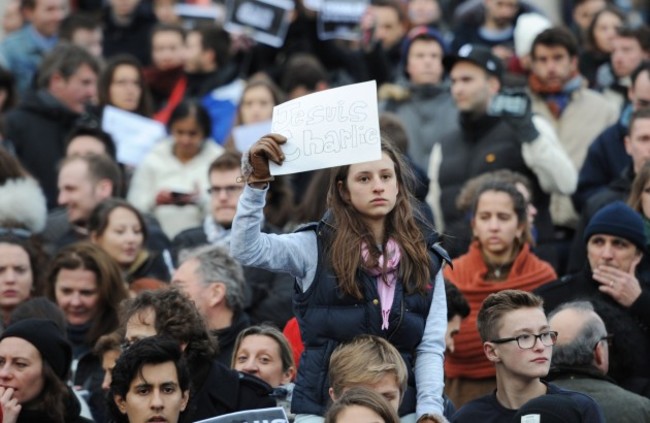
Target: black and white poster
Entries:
(340, 19)
(265, 21)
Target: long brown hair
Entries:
(110, 283)
(345, 249)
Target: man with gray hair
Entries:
(581, 361)
(214, 281)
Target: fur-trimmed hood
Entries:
(22, 202)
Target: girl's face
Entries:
(259, 355)
(256, 105)
(188, 137)
(495, 224)
(21, 368)
(16, 278)
(371, 188)
(77, 294)
(605, 31)
(167, 50)
(122, 238)
(125, 90)
(645, 200)
(358, 414)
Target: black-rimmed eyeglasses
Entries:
(528, 340)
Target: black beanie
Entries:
(46, 336)
(550, 408)
(618, 219)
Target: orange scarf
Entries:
(527, 273)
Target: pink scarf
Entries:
(385, 281)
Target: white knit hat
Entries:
(529, 26)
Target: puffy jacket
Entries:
(329, 317)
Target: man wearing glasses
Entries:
(517, 338)
(266, 298)
(581, 362)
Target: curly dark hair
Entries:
(177, 318)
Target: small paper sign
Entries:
(329, 128)
(265, 21)
(340, 19)
(268, 415)
(134, 135)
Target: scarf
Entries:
(385, 277)
(468, 274)
(555, 96)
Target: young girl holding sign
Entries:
(366, 267)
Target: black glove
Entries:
(515, 108)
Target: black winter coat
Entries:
(37, 128)
(218, 390)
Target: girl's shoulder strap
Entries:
(439, 256)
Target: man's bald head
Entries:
(581, 336)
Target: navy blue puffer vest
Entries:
(328, 317)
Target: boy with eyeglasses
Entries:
(518, 340)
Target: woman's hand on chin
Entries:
(10, 407)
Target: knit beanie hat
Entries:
(618, 219)
(528, 27)
(550, 408)
(48, 340)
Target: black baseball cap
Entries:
(479, 55)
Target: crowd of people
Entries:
(492, 265)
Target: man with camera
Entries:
(504, 136)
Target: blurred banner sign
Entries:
(265, 21)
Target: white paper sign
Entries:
(134, 135)
(268, 415)
(246, 135)
(329, 128)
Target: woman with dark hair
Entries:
(121, 85)
(35, 360)
(172, 180)
(119, 229)
(369, 266)
(498, 258)
(88, 286)
(598, 48)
